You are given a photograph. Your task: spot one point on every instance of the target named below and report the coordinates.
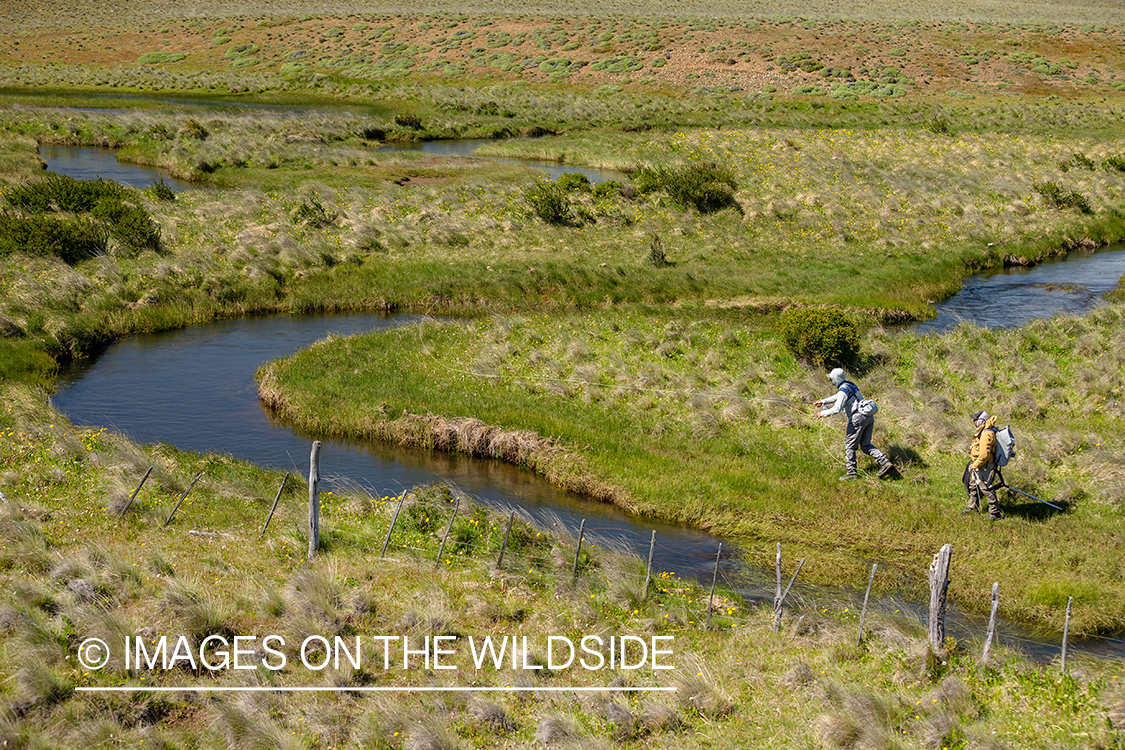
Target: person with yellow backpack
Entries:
(982, 467)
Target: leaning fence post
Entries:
(991, 623)
(648, 568)
(1066, 631)
(714, 578)
(129, 504)
(449, 528)
(578, 550)
(504, 546)
(939, 586)
(273, 507)
(863, 612)
(314, 499)
(777, 596)
(394, 520)
(168, 520)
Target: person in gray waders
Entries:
(860, 413)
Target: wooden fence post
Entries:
(314, 499)
(1066, 632)
(939, 586)
(578, 549)
(779, 598)
(714, 578)
(504, 546)
(129, 504)
(648, 568)
(863, 612)
(394, 520)
(991, 634)
(168, 520)
(273, 507)
(449, 528)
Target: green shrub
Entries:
(155, 58)
(160, 191)
(707, 186)
(548, 201)
(71, 240)
(573, 182)
(1057, 196)
(131, 226)
(1077, 160)
(608, 189)
(61, 193)
(820, 336)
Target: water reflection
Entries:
(1014, 296)
(83, 163)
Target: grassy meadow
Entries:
(622, 339)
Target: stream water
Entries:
(194, 388)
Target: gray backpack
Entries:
(1005, 446)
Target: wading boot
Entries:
(887, 471)
(848, 476)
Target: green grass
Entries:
(72, 569)
(698, 418)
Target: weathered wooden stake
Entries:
(314, 499)
(273, 507)
(863, 612)
(781, 599)
(1066, 631)
(168, 520)
(648, 568)
(797, 630)
(578, 550)
(991, 634)
(394, 520)
(129, 504)
(449, 528)
(777, 595)
(504, 546)
(939, 586)
(714, 578)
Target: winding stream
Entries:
(194, 388)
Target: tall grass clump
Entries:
(820, 336)
(705, 186)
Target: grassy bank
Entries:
(882, 221)
(705, 418)
(74, 570)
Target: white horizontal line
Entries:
(313, 689)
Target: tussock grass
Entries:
(663, 414)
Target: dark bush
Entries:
(1077, 161)
(820, 336)
(706, 186)
(71, 240)
(548, 201)
(61, 193)
(160, 190)
(573, 182)
(1057, 196)
(131, 226)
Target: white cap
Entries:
(837, 376)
